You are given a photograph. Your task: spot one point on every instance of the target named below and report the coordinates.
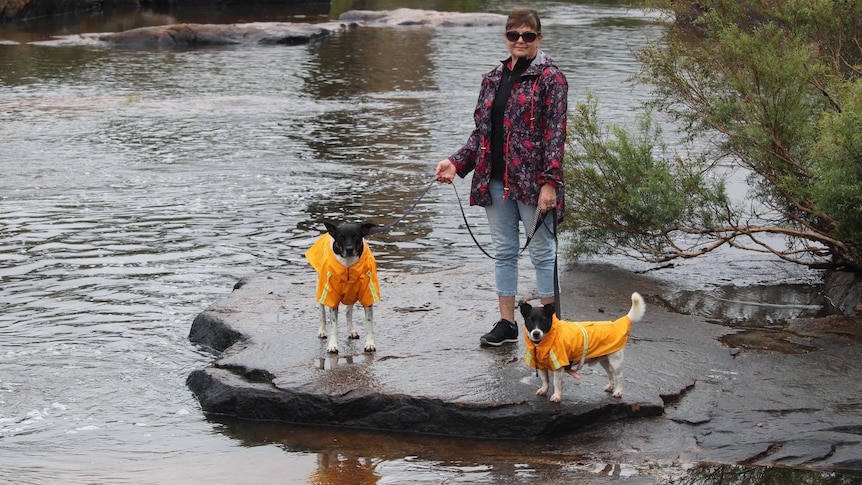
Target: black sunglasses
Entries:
(513, 35)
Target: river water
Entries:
(138, 186)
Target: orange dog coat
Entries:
(565, 343)
(339, 284)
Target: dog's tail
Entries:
(638, 307)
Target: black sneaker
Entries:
(503, 332)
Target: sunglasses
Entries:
(513, 36)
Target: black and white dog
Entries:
(347, 274)
(556, 345)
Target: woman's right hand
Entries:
(445, 171)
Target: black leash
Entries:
(538, 220)
(556, 293)
(557, 304)
(386, 227)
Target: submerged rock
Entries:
(204, 35)
(193, 35)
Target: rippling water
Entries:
(138, 186)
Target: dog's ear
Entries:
(330, 227)
(549, 309)
(526, 308)
(366, 227)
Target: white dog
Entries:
(347, 273)
(557, 344)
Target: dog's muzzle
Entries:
(536, 335)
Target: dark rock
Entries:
(797, 452)
(204, 35)
(209, 330)
(787, 410)
(429, 374)
(843, 290)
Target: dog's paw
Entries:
(332, 349)
(353, 335)
(609, 388)
(543, 391)
(617, 394)
(556, 398)
(321, 334)
(369, 344)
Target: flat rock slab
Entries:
(429, 374)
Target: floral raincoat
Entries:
(535, 135)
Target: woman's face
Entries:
(520, 47)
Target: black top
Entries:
(498, 111)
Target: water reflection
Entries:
(357, 458)
(372, 60)
(368, 457)
(752, 305)
(758, 314)
(743, 475)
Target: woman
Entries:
(516, 155)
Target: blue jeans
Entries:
(504, 218)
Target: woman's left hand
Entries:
(547, 198)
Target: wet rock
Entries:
(696, 408)
(429, 374)
(797, 452)
(843, 290)
(204, 35)
(788, 410)
(827, 332)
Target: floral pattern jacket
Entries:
(535, 135)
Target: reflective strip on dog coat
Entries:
(564, 343)
(339, 284)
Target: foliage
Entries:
(776, 88)
(622, 197)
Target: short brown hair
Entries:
(522, 16)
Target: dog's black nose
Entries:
(536, 335)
